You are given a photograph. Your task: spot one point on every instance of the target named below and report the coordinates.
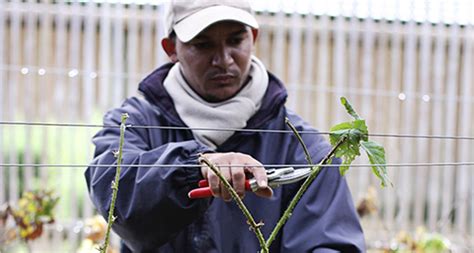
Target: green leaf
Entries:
(362, 128)
(349, 108)
(356, 135)
(376, 154)
(338, 131)
(354, 132)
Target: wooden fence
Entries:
(70, 62)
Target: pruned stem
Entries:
(251, 221)
(298, 136)
(314, 173)
(115, 184)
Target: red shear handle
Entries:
(205, 192)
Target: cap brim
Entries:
(192, 25)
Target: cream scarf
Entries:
(232, 113)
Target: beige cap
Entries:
(187, 18)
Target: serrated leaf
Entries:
(338, 131)
(347, 151)
(356, 135)
(354, 132)
(360, 125)
(349, 108)
(376, 154)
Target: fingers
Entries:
(266, 192)
(260, 175)
(238, 180)
(214, 182)
(235, 175)
(223, 192)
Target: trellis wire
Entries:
(46, 124)
(296, 166)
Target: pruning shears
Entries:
(276, 177)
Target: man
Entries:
(214, 81)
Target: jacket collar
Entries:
(154, 92)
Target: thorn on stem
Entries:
(125, 116)
(101, 248)
(257, 226)
(115, 153)
(201, 158)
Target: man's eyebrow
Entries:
(236, 33)
(239, 32)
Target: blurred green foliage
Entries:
(48, 145)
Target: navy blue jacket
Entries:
(154, 212)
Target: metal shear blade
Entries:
(289, 178)
(277, 177)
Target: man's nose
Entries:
(222, 57)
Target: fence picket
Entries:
(322, 82)
(28, 98)
(76, 74)
(146, 43)
(44, 83)
(437, 123)
(391, 194)
(367, 98)
(465, 175)
(353, 52)
(294, 66)
(3, 151)
(60, 82)
(131, 62)
(160, 55)
(423, 125)
(381, 85)
(279, 38)
(118, 57)
(264, 42)
(89, 63)
(89, 84)
(339, 65)
(450, 121)
(15, 26)
(105, 56)
(308, 82)
(408, 124)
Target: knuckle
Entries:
(238, 176)
(215, 190)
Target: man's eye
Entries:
(235, 41)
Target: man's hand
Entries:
(226, 163)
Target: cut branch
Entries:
(250, 220)
(115, 184)
(314, 173)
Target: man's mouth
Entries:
(223, 79)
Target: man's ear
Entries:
(170, 48)
(255, 35)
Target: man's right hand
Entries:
(234, 167)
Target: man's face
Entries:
(216, 62)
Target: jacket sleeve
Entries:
(149, 198)
(325, 219)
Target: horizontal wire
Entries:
(239, 165)
(46, 124)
